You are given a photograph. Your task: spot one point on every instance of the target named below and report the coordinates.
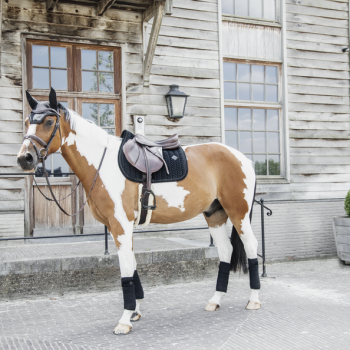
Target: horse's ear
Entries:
(31, 100)
(53, 99)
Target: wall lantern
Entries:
(176, 101)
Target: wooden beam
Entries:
(151, 10)
(0, 31)
(168, 9)
(50, 4)
(152, 42)
(103, 6)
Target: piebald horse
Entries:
(215, 171)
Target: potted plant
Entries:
(341, 229)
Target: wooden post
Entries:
(168, 9)
(103, 6)
(0, 31)
(50, 4)
(152, 43)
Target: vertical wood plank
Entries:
(65, 221)
(78, 75)
(29, 60)
(40, 208)
(118, 70)
(0, 31)
(52, 210)
(70, 66)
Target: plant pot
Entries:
(341, 229)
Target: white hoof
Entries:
(122, 329)
(212, 307)
(135, 317)
(253, 305)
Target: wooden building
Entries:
(268, 77)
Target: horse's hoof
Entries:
(122, 329)
(253, 305)
(212, 307)
(135, 317)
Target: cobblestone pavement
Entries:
(306, 306)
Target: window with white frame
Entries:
(252, 114)
(265, 9)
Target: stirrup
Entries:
(148, 207)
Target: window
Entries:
(256, 133)
(87, 78)
(250, 82)
(265, 9)
(252, 114)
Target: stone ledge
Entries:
(61, 275)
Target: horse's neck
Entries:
(83, 145)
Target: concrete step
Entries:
(30, 270)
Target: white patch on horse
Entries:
(222, 242)
(110, 174)
(172, 193)
(31, 131)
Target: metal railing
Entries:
(105, 233)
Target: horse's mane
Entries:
(86, 129)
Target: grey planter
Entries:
(341, 229)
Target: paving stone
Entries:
(306, 306)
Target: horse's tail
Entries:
(239, 257)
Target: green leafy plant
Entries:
(347, 204)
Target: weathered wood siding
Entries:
(187, 55)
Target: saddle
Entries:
(147, 156)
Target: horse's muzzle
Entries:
(27, 161)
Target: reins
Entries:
(42, 155)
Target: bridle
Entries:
(42, 153)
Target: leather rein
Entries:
(42, 155)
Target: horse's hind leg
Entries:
(217, 228)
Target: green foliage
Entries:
(261, 167)
(347, 204)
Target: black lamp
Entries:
(176, 101)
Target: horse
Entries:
(216, 172)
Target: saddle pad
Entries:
(175, 159)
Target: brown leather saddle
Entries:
(147, 156)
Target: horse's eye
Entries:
(49, 122)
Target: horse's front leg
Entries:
(131, 284)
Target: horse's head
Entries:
(43, 129)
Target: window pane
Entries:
(271, 93)
(88, 59)
(229, 71)
(260, 164)
(272, 119)
(231, 139)
(245, 118)
(271, 75)
(59, 165)
(270, 9)
(255, 8)
(40, 55)
(258, 74)
(89, 81)
(106, 114)
(105, 61)
(260, 142)
(245, 141)
(59, 79)
(106, 82)
(241, 7)
(258, 92)
(110, 131)
(64, 104)
(259, 119)
(273, 144)
(244, 91)
(230, 118)
(41, 78)
(274, 165)
(90, 112)
(249, 156)
(228, 6)
(243, 72)
(58, 57)
(230, 92)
